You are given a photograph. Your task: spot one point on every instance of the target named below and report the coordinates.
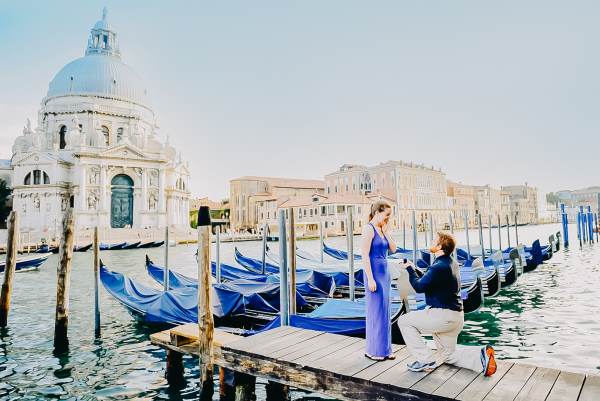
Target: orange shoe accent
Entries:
(491, 366)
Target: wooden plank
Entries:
(435, 379)
(304, 346)
(482, 385)
(250, 342)
(567, 387)
(330, 361)
(539, 385)
(459, 382)
(510, 385)
(269, 347)
(591, 389)
(326, 343)
(323, 352)
(401, 356)
(188, 333)
(357, 362)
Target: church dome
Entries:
(99, 75)
(100, 72)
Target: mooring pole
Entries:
(61, 320)
(516, 229)
(218, 253)
(490, 231)
(96, 281)
(565, 225)
(591, 224)
(579, 229)
(10, 266)
(283, 270)
(451, 223)
(264, 248)
(480, 235)
(596, 225)
(467, 232)
(292, 263)
(166, 276)
(321, 241)
(431, 228)
(206, 323)
(415, 237)
(508, 231)
(499, 234)
(350, 235)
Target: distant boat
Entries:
(83, 248)
(133, 245)
(112, 247)
(30, 262)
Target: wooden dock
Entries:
(335, 366)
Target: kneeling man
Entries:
(443, 317)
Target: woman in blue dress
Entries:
(376, 241)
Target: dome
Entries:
(99, 75)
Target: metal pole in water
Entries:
(415, 237)
(451, 222)
(292, 261)
(431, 228)
(425, 231)
(516, 229)
(579, 229)
(264, 248)
(467, 232)
(321, 240)
(218, 252)
(565, 225)
(480, 235)
(166, 276)
(350, 234)
(580, 225)
(591, 224)
(499, 234)
(96, 281)
(283, 270)
(490, 231)
(508, 230)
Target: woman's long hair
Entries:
(379, 206)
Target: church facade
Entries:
(96, 148)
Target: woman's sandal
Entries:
(391, 357)
(375, 358)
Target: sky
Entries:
(496, 93)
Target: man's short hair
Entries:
(447, 243)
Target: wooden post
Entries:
(516, 229)
(321, 241)
(350, 237)
(245, 386)
(480, 235)
(283, 270)
(490, 231)
(403, 234)
(264, 248)
(61, 323)
(292, 263)
(508, 231)
(166, 274)
(218, 253)
(174, 371)
(415, 237)
(96, 281)
(499, 234)
(10, 267)
(205, 317)
(467, 232)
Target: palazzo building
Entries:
(96, 148)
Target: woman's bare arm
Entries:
(365, 249)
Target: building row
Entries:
(255, 202)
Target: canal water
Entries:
(548, 318)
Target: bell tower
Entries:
(103, 40)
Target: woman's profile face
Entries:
(383, 217)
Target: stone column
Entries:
(103, 188)
(144, 206)
(82, 177)
(162, 189)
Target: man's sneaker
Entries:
(417, 366)
(488, 361)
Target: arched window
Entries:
(46, 178)
(62, 137)
(119, 135)
(27, 180)
(39, 177)
(106, 133)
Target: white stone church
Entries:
(96, 148)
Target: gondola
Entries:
(230, 307)
(146, 245)
(132, 245)
(307, 284)
(157, 244)
(112, 247)
(338, 253)
(30, 262)
(83, 248)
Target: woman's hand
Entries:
(372, 285)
